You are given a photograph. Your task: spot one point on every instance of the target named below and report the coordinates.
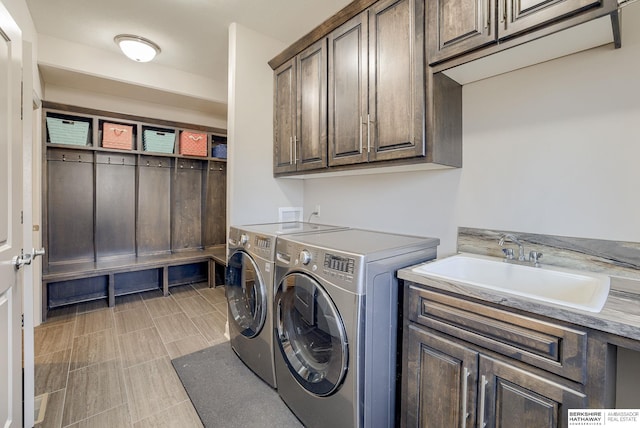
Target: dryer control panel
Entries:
(339, 264)
(337, 267)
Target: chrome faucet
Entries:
(534, 256)
(515, 240)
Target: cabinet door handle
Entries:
(290, 150)
(361, 134)
(488, 20)
(504, 14)
(295, 149)
(368, 134)
(483, 385)
(465, 390)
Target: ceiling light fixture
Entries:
(137, 48)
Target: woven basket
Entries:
(64, 131)
(193, 144)
(116, 136)
(158, 141)
(220, 151)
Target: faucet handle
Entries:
(534, 256)
(508, 252)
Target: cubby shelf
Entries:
(119, 221)
(214, 136)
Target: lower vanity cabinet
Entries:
(467, 364)
(452, 385)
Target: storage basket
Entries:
(158, 141)
(193, 144)
(66, 131)
(219, 151)
(116, 136)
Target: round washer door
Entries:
(246, 294)
(310, 334)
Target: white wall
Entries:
(100, 100)
(68, 55)
(551, 149)
(557, 151)
(253, 195)
(419, 203)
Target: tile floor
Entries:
(111, 367)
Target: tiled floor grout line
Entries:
(94, 415)
(92, 364)
(155, 326)
(66, 384)
(123, 374)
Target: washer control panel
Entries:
(255, 243)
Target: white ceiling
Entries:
(193, 34)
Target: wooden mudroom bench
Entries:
(80, 282)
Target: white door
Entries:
(10, 222)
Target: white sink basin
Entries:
(581, 290)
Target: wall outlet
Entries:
(317, 210)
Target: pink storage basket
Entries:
(116, 136)
(193, 144)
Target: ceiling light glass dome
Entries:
(137, 48)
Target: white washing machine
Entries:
(336, 318)
(249, 290)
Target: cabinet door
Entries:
(512, 397)
(348, 62)
(311, 130)
(517, 16)
(441, 381)
(284, 120)
(396, 79)
(458, 26)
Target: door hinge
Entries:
(22, 320)
(21, 217)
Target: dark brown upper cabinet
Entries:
(376, 104)
(376, 84)
(300, 111)
(348, 92)
(455, 27)
(284, 117)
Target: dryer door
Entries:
(246, 294)
(310, 334)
